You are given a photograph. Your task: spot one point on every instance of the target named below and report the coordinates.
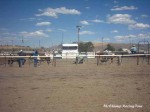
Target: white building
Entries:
(69, 51)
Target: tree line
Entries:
(89, 47)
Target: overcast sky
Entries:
(48, 21)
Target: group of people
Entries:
(22, 60)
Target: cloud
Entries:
(139, 26)
(106, 39)
(84, 22)
(6, 35)
(38, 33)
(124, 37)
(144, 16)
(124, 8)
(7, 39)
(48, 30)
(145, 35)
(87, 22)
(87, 7)
(97, 21)
(43, 24)
(62, 30)
(137, 36)
(29, 19)
(115, 2)
(51, 12)
(114, 31)
(3, 29)
(121, 19)
(87, 33)
(127, 20)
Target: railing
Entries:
(98, 57)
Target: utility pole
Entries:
(78, 28)
(130, 42)
(22, 43)
(39, 44)
(102, 43)
(62, 37)
(12, 44)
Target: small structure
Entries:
(144, 45)
(69, 51)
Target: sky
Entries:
(52, 22)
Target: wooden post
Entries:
(48, 59)
(122, 58)
(144, 57)
(148, 59)
(98, 59)
(66, 58)
(54, 62)
(111, 58)
(137, 60)
(5, 60)
(76, 60)
(119, 60)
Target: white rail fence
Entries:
(98, 57)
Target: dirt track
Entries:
(76, 88)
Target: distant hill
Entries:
(98, 45)
(14, 48)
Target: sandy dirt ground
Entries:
(76, 88)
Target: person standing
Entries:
(133, 49)
(35, 58)
(21, 60)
